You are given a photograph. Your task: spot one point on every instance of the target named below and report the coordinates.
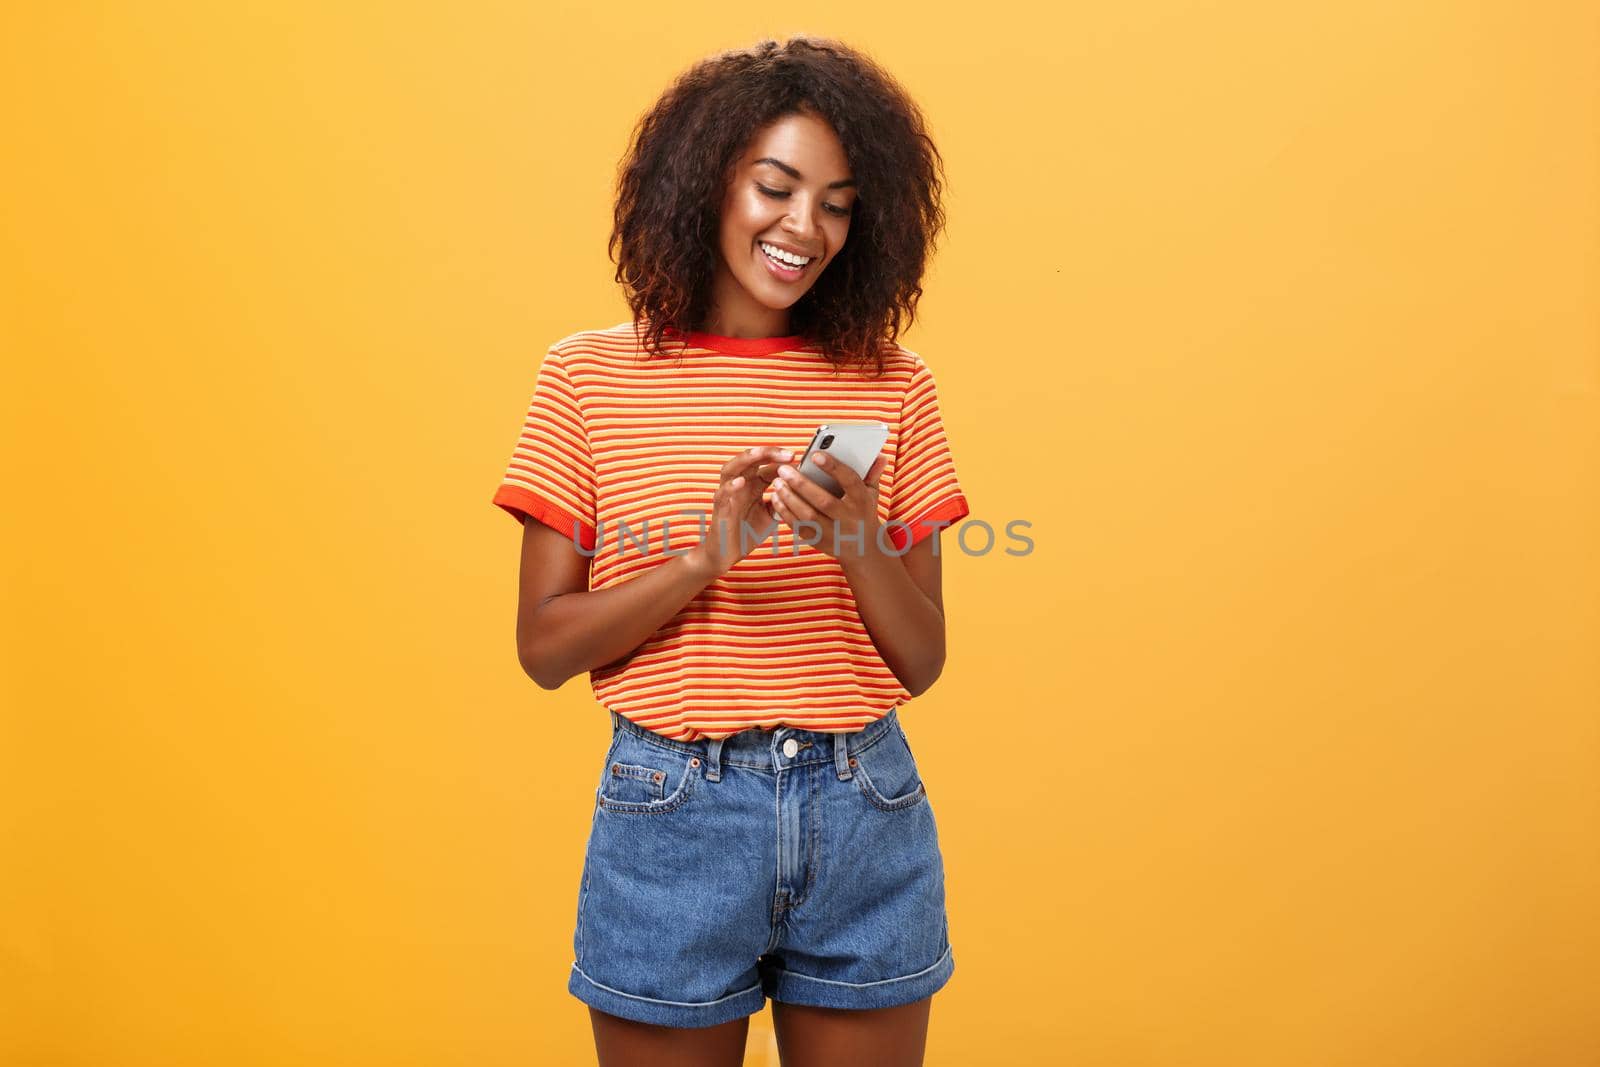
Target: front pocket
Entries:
(642, 778)
(631, 783)
(887, 773)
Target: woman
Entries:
(760, 826)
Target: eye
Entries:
(780, 194)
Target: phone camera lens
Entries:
(826, 441)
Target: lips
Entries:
(780, 246)
(781, 271)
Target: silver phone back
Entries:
(854, 443)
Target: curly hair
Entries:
(679, 159)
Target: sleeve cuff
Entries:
(521, 504)
(948, 510)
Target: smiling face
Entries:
(790, 192)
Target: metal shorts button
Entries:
(790, 747)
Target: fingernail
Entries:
(822, 457)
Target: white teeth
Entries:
(784, 257)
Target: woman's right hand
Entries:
(742, 482)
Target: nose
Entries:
(800, 223)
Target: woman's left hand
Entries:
(796, 499)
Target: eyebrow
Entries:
(791, 172)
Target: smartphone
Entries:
(854, 443)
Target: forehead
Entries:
(806, 143)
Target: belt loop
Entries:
(841, 756)
(714, 760)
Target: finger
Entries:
(842, 473)
(846, 476)
(745, 486)
(875, 472)
(739, 464)
(807, 490)
(732, 488)
(751, 458)
(733, 497)
(781, 510)
(795, 504)
(770, 520)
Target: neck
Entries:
(734, 314)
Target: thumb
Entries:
(875, 472)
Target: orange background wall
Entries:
(1280, 324)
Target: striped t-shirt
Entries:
(619, 450)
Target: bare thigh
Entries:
(624, 1043)
(842, 1037)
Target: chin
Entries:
(783, 303)
(764, 294)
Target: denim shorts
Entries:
(794, 864)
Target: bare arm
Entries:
(902, 604)
(564, 628)
(899, 597)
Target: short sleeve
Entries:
(925, 489)
(551, 473)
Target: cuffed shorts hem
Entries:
(792, 988)
(665, 1012)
